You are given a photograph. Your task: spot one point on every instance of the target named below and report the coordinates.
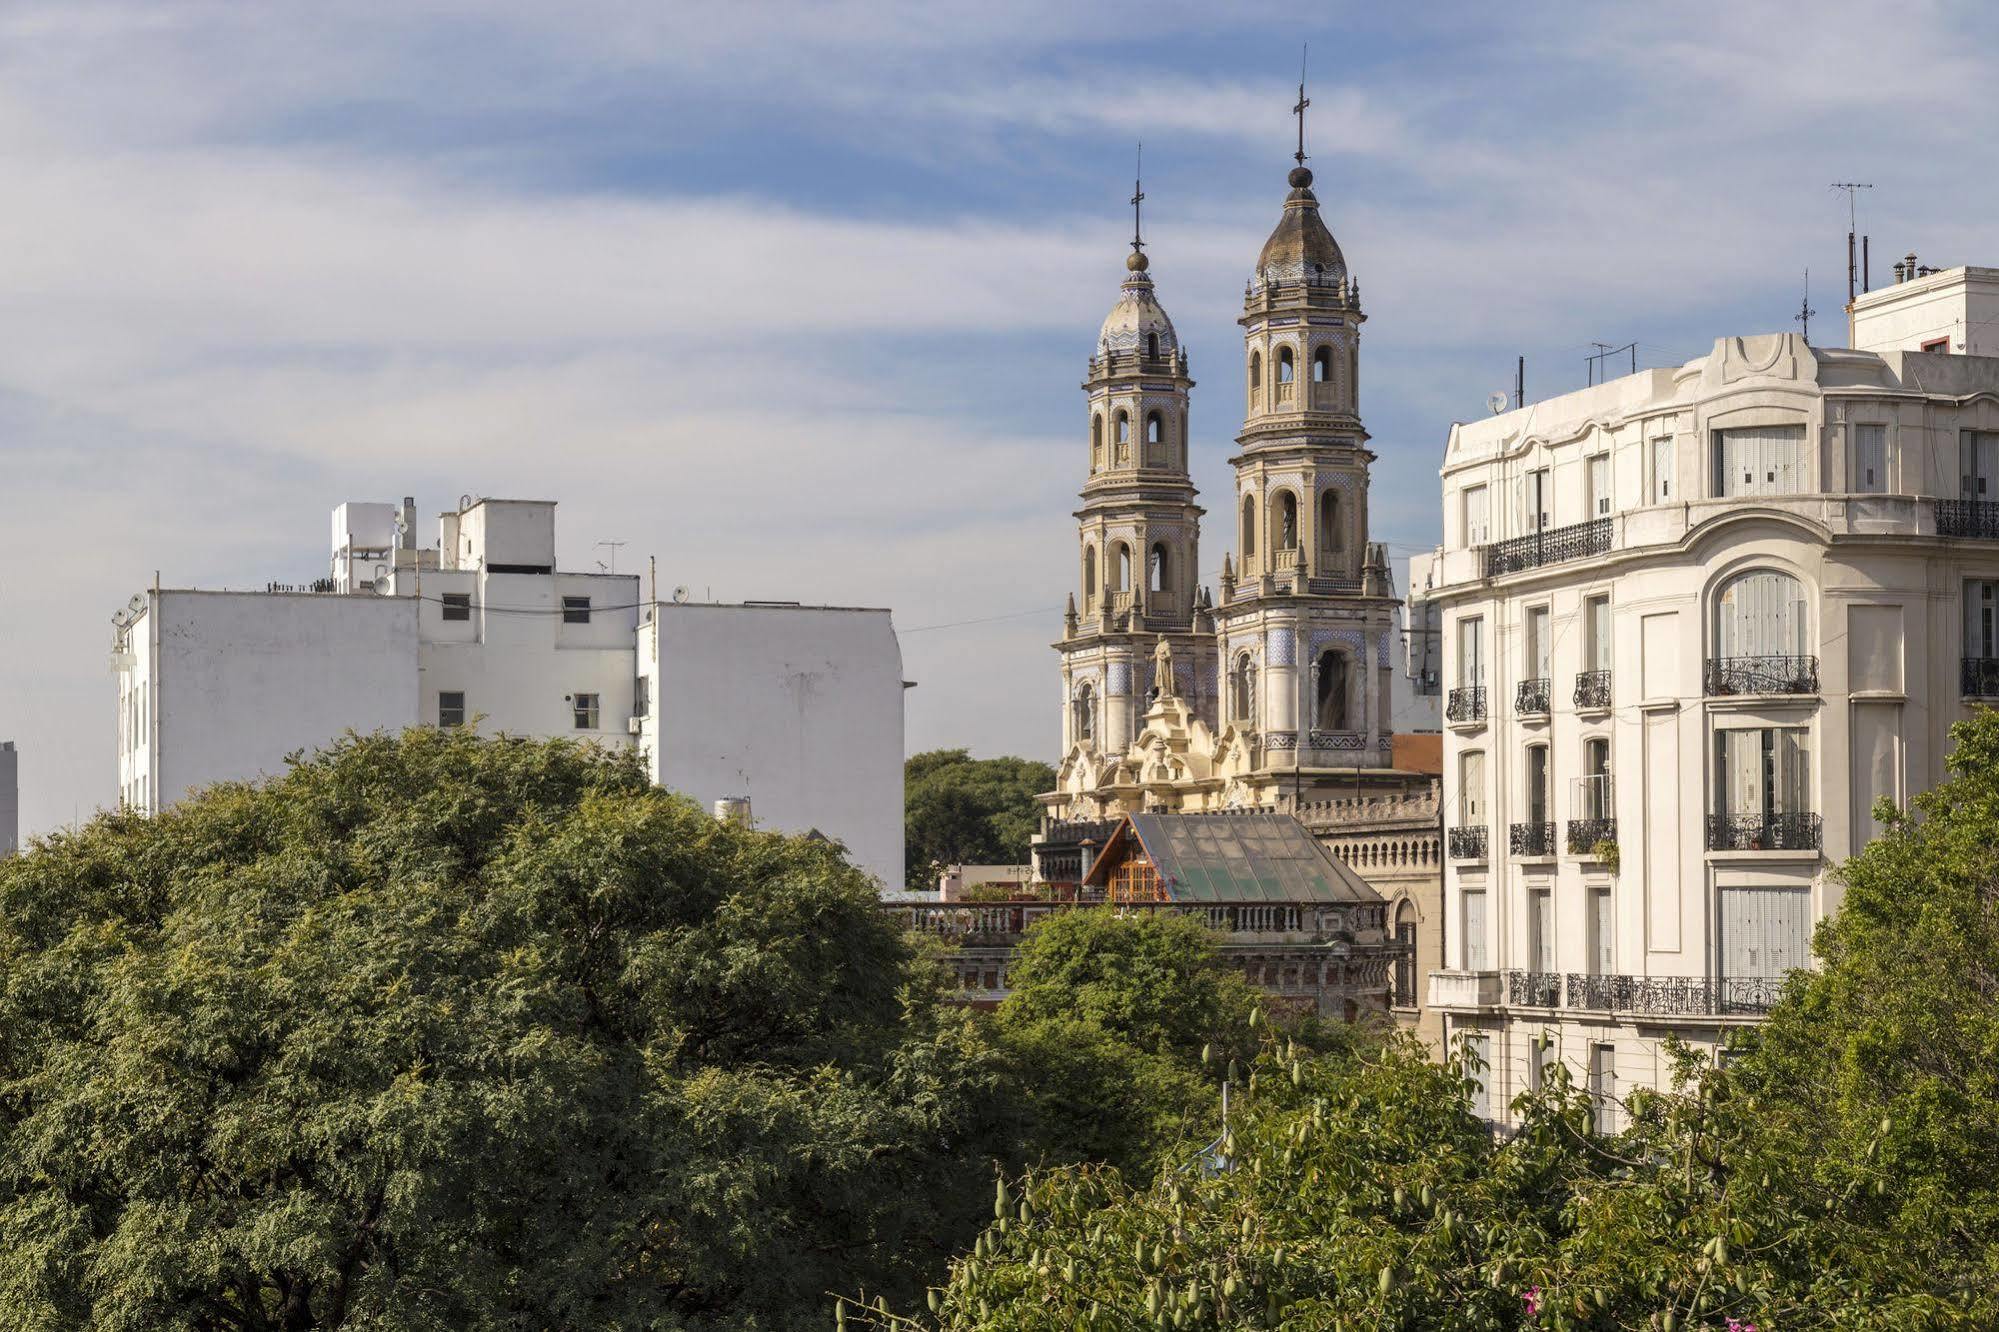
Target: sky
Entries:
(795, 299)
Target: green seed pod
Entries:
(840, 1315)
(1152, 1300)
(1000, 1200)
(1208, 1053)
(1297, 1075)
(1158, 1258)
(1401, 1197)
(936, 1300)
(1387, 1280)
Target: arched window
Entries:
(1256, 370)
(1123, 428)
(1089, 579)
(1158, 583)
(1084, 725)
(1155, 428)
(1151, 346)
(1248, 527)
(1097, 443)
(1242, 689)
(1333, 689)
(1286, 522)
(1332, 522)
(1322, 365)
(1285, 371)
(1760, 613)
(1122, 572)
(1405, 965)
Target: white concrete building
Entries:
(10, 799)
(1696, 621)
(797, 708)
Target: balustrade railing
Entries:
(1466, 843)
(1534, 989)
(1761, 675)
(1532, 839)
(1531, 697)
(1549, 546)
(1967, 518)
(1466, 704)
(1593, 690)
(1763, 832)
(1687, 996)
(1585, 834)
(1979, 677)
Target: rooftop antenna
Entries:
(1303, 101)
(1138, 201)
(1805, 311)
(614, 552)
(1852, 188)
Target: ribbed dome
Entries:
(1136, 316)
(1301, 249)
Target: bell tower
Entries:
(1138, 531)
(1305, 620)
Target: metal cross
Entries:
(1137, 198)
(1299, 110)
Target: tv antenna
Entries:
(1805, 311)
(1853, 189)
(613, 547)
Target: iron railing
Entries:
(1466, 843)
(1763, 832)
(1550, 545)
(1967, 518)
(1466, 703)
(1593, 689)
(1687, 996)
(1532, 696)
(1979, 677)
(1584, 834)
(1536, 989)
(1532, 839)
(1761, 675)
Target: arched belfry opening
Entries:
(1332, 710)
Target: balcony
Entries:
(1464, 989)
(1763, 832)
(1979, 677)
(1968, 518)
(1673, 996)
(1548, 546)
(1531, 698)
(1466, 704)
(1534, 989)
(1466, 843)
(1592, 691)
(1585, 834)
(1532, 839)
(1761, 675)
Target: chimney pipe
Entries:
(1909, 266)
(1866, 275)
(1849, 269)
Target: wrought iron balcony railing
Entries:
(1531, 697)
(1532, 839)
(1467, 843)
(1584, 834)
(1761, 675)
(1534, 989)
(1593, 690)
(1551, 545)
(1466, 704)
(1980, 677)
(1692, 996)
(1967, 518)
(1763, 832)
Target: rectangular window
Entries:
(1765, 932)
(1602, 933)
(1980, 479)
(585, 708)
(1471, 651)
(1405, 965)
(457, 605)
(1603, 1086)
(1540, 932)
(1936, 345)
(1478, 517)
(1540, 1049)
(1596, 779)
(576, 610)
(1535, 664)
(1471, 787)
(1870, 459)
(1596, 632)
(1537, 784)
(1767, 460)
(1981, 618)
(642, 696)
(1662, 470)
(450, 708)
(1478, 1051)
(1599, 486)
(1536, 497)
(1763, 771)
(1474, 907)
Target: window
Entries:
(451, 708)
(1248, 528)
(1242, 689)
(1122, 571)
(1981, 619)
(1096, 443)
(1980, 473)
(1331, 714)
(1474, 931)
(1286, 535)
(1155, 428)
(1540, 1050)
(1158, 582)
(1286, 371)
(1537, 784)
(1089, 579)
(1595, 792)
(1332, 522)
(1602, 933)
(1405, 965)
(457, 605)
(1764, 933)
(1762, 772)
(1760, 613)
(1540, 932)
(1322, 365)
(1478, 1061)
(1256, 370)
(1767, 460)
(641, 696)
(1662, 470)
(1937, 345)
(1534, 666)
(584, 708)
(1597, 474)
(1151, 346)
(1123, 428)
(1471, 651)
(1478, 519)
(1603, 1087)
(576, 610)
(1596, 632)
(1083, 722)
(1471, 788)
(1535, 498)
(1870, 459)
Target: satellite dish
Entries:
(680, 594)
(1496, 402)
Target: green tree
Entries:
(958, 810)
(437, 1032)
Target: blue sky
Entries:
(796, 298)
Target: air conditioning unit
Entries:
(635, 724)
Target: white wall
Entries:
(798, 708)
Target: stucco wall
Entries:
(798, 708)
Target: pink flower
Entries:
(1737, 1325)
(1533, 1302)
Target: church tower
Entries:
(1138, 573)
(1306, 622)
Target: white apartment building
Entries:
(796, 708)
(1696, 621)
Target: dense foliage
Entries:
(442, 1033)
(958, 810)
(1841, 1172)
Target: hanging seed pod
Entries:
(840, 1315)
(1387, 1280)
(1000, 1200)
(1401, 1197)
(1158, 1258)
(936, 1300)
(1208, 1054)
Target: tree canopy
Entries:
(440, 1032)
(959, 810)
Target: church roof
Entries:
(1136, 314)
(1301, 249)
(1233, 856)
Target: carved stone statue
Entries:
(1162, 670)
